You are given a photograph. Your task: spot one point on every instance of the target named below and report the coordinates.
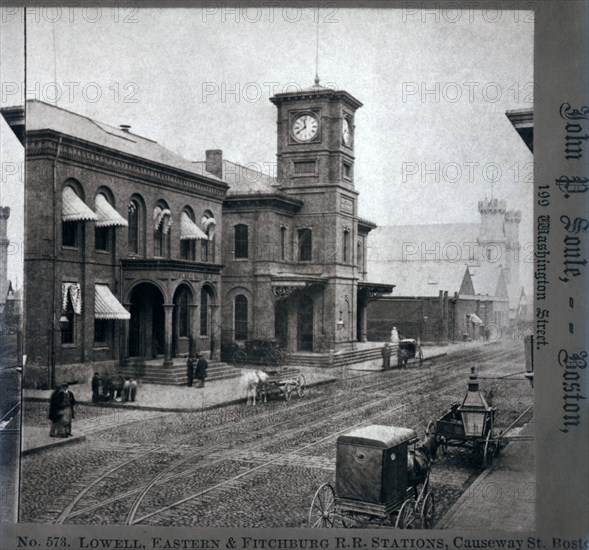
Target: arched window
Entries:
(209, 225)
(74, 212)
(241, 241)
(162, 217)
(204, 312)
(133, 214)
(188, 235)
(305, 245)
(346, 246)
(283, 243)
(240, 317)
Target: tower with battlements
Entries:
(499, 243)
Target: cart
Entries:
(282, 383)
(469, 424)
(373, 486)
(409, 349)
(257, 351)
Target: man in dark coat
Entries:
(61, 412)
(190, 371)
(95, 388)
(201, 370)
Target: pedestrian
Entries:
(61, 412)
(201, 370)
(126, 389)
(394, 336)
(118, 388)
(95, 388)
(386, 357)
(133, 390)
(190, 371)
(112, 388)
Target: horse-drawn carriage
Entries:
(382, 478)
(282, 382)
(409, 349)
(256, 351)
(469, 424)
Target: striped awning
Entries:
(209, 225)
(107, 216)
(74, 209)
(189, 231)
(106, 305)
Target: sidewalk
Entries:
(156, 397)
(504, 495)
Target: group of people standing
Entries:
(196, 367)
(61, 411)
(122, 389)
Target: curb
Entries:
(53, 444)
(130, 407)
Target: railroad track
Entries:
(398, 386)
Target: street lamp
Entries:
(474, 410)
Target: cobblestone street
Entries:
(241, 466)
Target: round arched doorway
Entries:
(146, 327)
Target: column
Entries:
(363, 320)
(168, 310)
(194, 320)
(215, 333)
(124, 352)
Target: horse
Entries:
(252, 379)
(419, 460)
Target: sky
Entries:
(431, 140)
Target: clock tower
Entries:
(315, 155)
(316, 138)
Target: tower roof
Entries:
(317, 91)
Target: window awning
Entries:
(106, 305)
(209, 225)
(107, 216)
(189, 231)
(475, 319)
(74, 209)
(163, 217)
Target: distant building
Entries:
(453, 281)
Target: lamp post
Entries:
(474, 410)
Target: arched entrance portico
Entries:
(147, 324)
(210, 329)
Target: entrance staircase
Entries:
(152, 371)
(363, 355)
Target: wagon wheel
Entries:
(489, 452)
(276, 356)
(287, 390)
(301, 385)
(431, 428)
(406, 516)
(420, 357)
(322, 511)
(239, 357)
(428, 511)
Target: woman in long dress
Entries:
(61, 412)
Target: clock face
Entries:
(346, 132)
(305, 128)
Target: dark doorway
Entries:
(281, 323)
(305, 324)
(146, 327)
(181, 321)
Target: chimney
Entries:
(214, 162)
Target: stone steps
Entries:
(175, 375)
